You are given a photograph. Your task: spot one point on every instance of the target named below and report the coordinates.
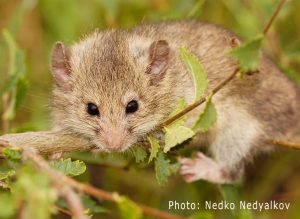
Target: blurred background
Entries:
(36, 24)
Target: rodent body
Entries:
(112, 68)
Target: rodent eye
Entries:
(92, 109)
(132, 107)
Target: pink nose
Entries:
(114, 140)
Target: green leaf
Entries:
(248, 54)
(162, 168)
(181, 104)
(34, 189)
(6, 174)
(207, 117)
(68, 167)
(17, 85)
(154, 147)
(12, 153)
(128, 209)
(7, 207)
(197, 71)
(139, 153)
(175, 135)
(92, 206)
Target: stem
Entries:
(286, 144)
(47, 142)
(274, 15)
(73, 200)
(64, 211)
(41, 163)
(226, 80)
(201, 100)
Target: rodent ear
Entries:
(158, 57)
(60, 66)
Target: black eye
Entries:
(132, 107)
(92, 109)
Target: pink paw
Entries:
(201, 167)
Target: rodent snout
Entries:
(114, 139)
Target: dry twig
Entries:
(30, 154)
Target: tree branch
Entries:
(64, 211)
(283, 143)
(226, 80)
(47, 142)
(74, 202)
(274, 15)
(30, 154)
(64, 190)
(201, 100)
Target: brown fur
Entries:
(109, 68)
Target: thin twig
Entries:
(30, 154)
(73, 201)
(226, 80)
(47, 142)
(283, 143)
(274, 15)
(201, 100)
(65, 211)
(64, 190)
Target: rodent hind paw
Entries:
(205, 168)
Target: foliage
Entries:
(68, 167)
(16, 85)
(28, 30)
(249, 54)
(139, 153)
(207, 117)
(198, 73)
(31, 191)
(12, 153)
(154, 143)
(162, 168)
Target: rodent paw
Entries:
(201, 167)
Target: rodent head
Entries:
(111, 90)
